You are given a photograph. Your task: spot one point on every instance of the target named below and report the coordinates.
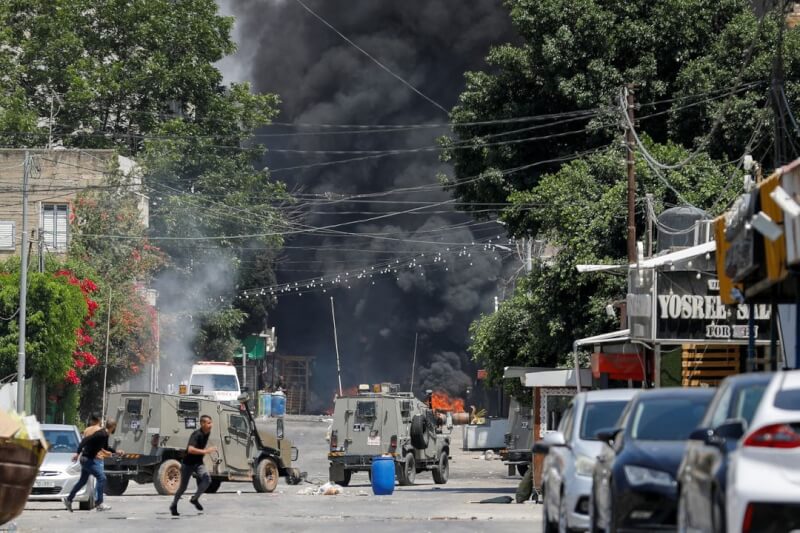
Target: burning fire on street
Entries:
(441, 401)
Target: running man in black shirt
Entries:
(88, 450)
(193, 464)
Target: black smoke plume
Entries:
(322, 79)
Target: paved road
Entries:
(423, 507)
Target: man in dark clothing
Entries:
(193, 464)
(91, 465)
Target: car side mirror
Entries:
(608, 435)
(701, 434)
(730, 430)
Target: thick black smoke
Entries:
(322, 79)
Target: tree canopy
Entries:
(140, 77)
(699, 67)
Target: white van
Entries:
(216, 380)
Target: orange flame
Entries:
(442, 402)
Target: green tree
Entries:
(581, 210)
(140, 77)
(577, 55)
(56, 309)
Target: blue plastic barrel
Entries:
(383, 475)
(264, 404)
(278, 404)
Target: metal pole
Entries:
(336, 342)
(528, 254)
(23, 287)
(649, 217)
(244, 366)
(577, 366)
(751, 337)
(657, 366)
(413, 363)
(629, 140)
(105, 369)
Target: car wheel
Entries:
(115, 485)
(407, 470)
(89, 504)
(266, 475)
(348, 475)
(168, 477)
(442, 474)
(717, 512)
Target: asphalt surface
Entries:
(422, 507)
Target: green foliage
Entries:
(576, 55)
(140, 77)
(55, 310)
(581, 210)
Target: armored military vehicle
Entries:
(517, 454)
(389, 422)
(153, 430)
(519, 440)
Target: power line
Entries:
(374, 60)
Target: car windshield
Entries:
(61, 440)
(600, 415)
(215, 382)
(667, 418)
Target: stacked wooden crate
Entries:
(704, 365)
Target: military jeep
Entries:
(153, 430)
(371, 424)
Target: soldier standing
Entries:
(193, 464)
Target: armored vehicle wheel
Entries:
(115, 485)
(168, 477)
(419, 433)
(441, 474)
(407, 470)
(266, 476)
(214, 487)
(522, 469)
(348, 474)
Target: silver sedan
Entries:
(571, 454)
(58, 474)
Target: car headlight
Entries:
(638, 475)
(73, 469)
(584, 465)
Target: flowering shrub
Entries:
(81, 357)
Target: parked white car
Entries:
(572, 451)
(58, 474)
(763, 491)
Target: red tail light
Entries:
(334, 440)
(747, 523)
(393, 443)
(774, 436)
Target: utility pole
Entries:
(413, 362)
(629, 141)
(336, 342)
(105, 369)
(650, 214)
(23, 286)
(528, 255)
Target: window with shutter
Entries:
(6, 235)
(54, 222)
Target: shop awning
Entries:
(613, 336)
(557, 378)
